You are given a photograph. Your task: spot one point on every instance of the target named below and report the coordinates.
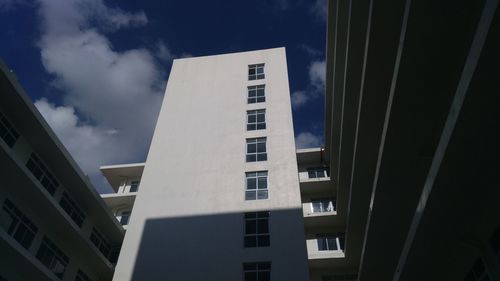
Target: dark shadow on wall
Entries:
(210, 247)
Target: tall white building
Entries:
(221, 196)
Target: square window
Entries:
(256, 150)
(256, 71)
(257, 271)
(256, 186)
(256, 119)
(256, 94)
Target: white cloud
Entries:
(117, 95)
(299, 98)
(319, 10)
(316, 88)
(308, 140)
(163, 52)
(317, 75)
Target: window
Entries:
(256, 186)
(257, 271)
(257, 229)
(72, 209)
(7, 131)
(256, 71)
(81, 276)
(125, 216)
(256, 119)
(317, 172)
(98, 240)
(134, 186)
(17, 225)
(478, 272)
(323, 205)
(256, 150)
(40, 171)
(256, 94)
(52, 257)
(330, 242)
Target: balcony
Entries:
(314, 180)
(325, 250)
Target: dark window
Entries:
(72, 209)
(98, 240)
(42, 174)
(257, 271)
(81, 276)
(317, 172)
(52, 257)
(256, 71)
(257, 187)
(7, 131)
(330, 242)
(256, 94)
(257, 229)
(125, 217)
(17, 225)
(134, 186)
(323, 205)
(256, 150)
(256, 119)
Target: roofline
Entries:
(229, 54)
(118, 166)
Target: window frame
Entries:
(257, 176)
(338, 238)
(256, 124)
(256, 75)
(257, 154)
(40, 171)
(8, 132)
(263, 267)
(331, 202)
(48, 253)
(322, 171)
(254, 94)
(21, 228)
(260, 238)
(72, 209)
(127, 215)
(134, 183)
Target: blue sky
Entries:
(97, 69)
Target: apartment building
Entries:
(220, 197)
(125, 181)
(53, 224)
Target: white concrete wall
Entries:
(188, 218)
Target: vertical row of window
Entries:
(23, 230)
(256, 232)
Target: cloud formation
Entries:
(308, 140)
(316, 87)
(111, 99)
(319, 10)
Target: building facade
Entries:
(53, 224)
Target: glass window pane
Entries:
(322, 244)
(251, 227)
(251, 183)
(261, 126)
(262, 183)
(252, 118)
(250, 241)
(260, 70)
(250, 276)
(263, 226)
(251, 158)
(251, 127)
(251, 148)
(262, 194)
(265, 276)
(251, 70)
(261, 147)
(262, 157)
(261, 99)
(250, 195)
(261, 118)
